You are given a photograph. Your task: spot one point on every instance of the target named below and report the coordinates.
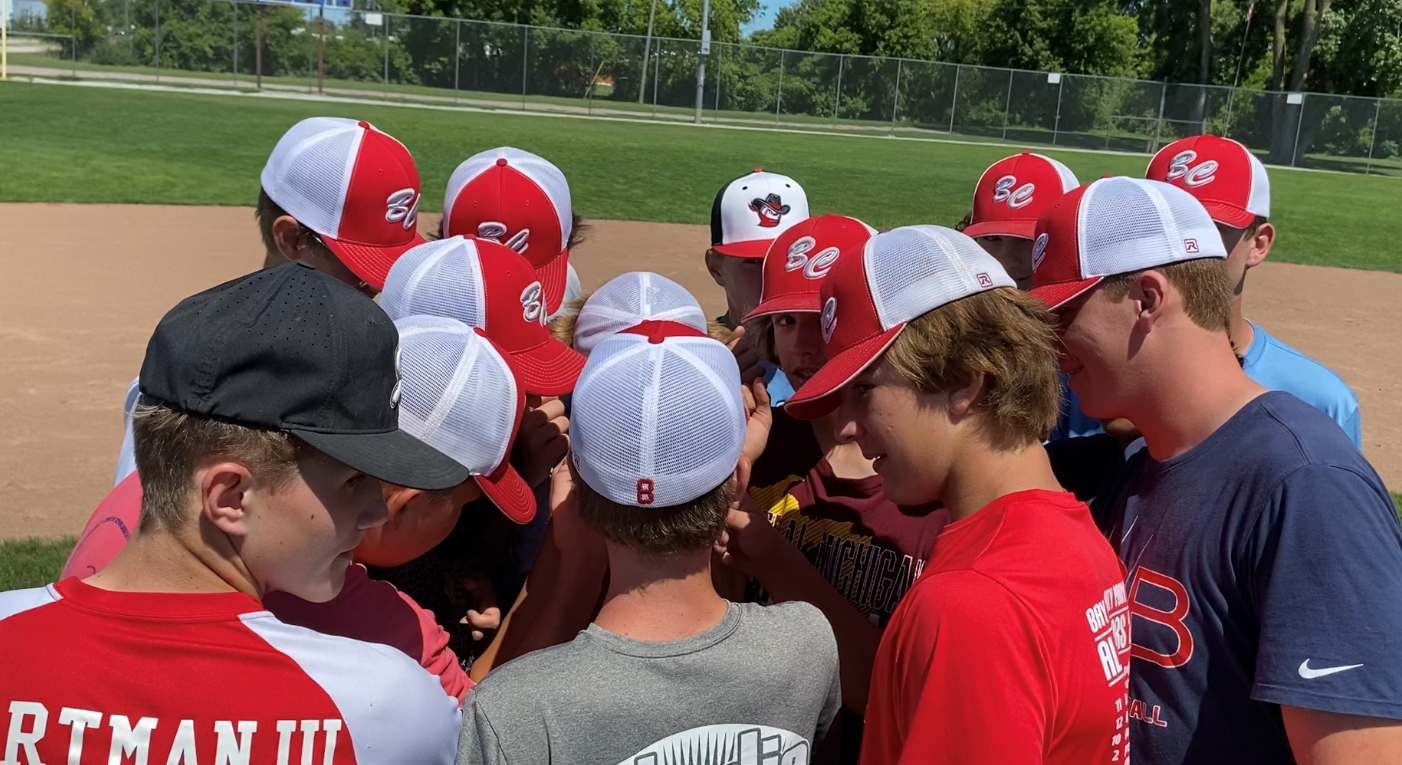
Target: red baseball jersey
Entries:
(93, 676)
(1012, 648)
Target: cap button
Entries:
(758, 170)
(501, 161)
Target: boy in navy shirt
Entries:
(1264, 558)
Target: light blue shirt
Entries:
(1277, 366)
(776, 383)
(1073, 423)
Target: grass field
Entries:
(78, 144)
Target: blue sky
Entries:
(765, 18)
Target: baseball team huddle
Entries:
(1030, 489)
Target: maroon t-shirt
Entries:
(866, 546)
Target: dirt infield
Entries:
(84, 285)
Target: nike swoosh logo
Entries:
(1309, 673)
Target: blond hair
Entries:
(1003, 334)
(1205, 283)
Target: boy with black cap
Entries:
(269, 409)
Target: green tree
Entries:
(81, 21)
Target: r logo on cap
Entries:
(403, 207)
(1003, 191)
(829, 319)
(1181, 167)
(1039, 250)
(532, 305)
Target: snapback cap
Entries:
(1114, 226)
(657, 417)
(750, 211)
(1220, 173)
(631, 299)
(354, 186)
(461, 397)
(291, 349)
(798, 260)
(518, 199)
(1014, 191)
(873, 292)
(487, 285)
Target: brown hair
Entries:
(170, 444)
(267, 212)
(1007, 336)
(658, 532)
(1205, 283)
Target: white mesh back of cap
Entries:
(1259, 202)
(630, 299)
(309, 171)
(657, 424)
(1068, 178)
(540, 170)
(442, 278)
(915, 269)
(1130, 224)
(457, 393)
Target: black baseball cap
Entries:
(291, 349)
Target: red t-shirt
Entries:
(93, 676)
(1013, 648)
(366, 609)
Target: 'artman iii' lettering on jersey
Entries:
(92, 676)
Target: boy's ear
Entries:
(742, 481)
(713, 266)
(397, 498)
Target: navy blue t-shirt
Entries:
(1265, 568)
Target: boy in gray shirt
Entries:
(669, 671)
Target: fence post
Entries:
(321, 49)
(647, 47)
(720, 83)
(837, 98)
(258, 45)
(779, 93)
(1231, 102)
(73, 40)
(1299, 122)
(1158, 126)
(158, 40)
(896, 101)
(1060, 88)
(656, 72)
(954, 100)
(1008, 107)
(234, 9)
(1372, 142)
(525, 57)
(384, 31)
(457, 56)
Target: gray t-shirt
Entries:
(761, 686)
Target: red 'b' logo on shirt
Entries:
(646, 491)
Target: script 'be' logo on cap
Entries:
(1015, 198)
(829, 319)
(493, 231)
(1181, 168)
(1039, 250)
(397, 391)
(403, 207)
(532, 307)
(815, 267)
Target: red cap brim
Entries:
(802, 302)
(370, 263)
(814, 399)
(509, 492)
(753, 248)
(549, 369)
(1054, 296)
(552, 278)
(1229, 215)
(1022, 229)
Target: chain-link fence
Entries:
(340, 51)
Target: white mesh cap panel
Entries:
(657, 424)
(457, 392)
(540, 170)
(1130, 224)
(442, 278)
(631, 299)
(1259, 203)
(309, 171)
(915, 269)
(1068, 178)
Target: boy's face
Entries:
(1097, 335)
(798, 342)
(1013, 254)
(418, 522)
(299, 538)
(908, 433)
(741, 278)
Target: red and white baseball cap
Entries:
(1013, 192)
(798, 260)
(657, 417)
(1116, 226)
(460, 395)
(487, 285)
(631, 299)
(515, 198)
(352, 185)
(1220, 173)
(872, 293)
(752, 210)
